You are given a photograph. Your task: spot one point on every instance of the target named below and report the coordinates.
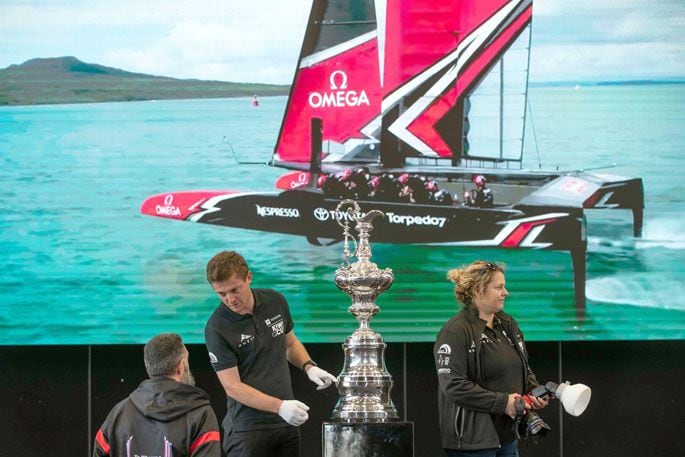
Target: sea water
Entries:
(81, 265)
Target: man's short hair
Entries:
(163, 353)
(225, 265)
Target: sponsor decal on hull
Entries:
(273, 211)
(409, 220)
(516, 233)
(323, 214)
(177, 205)
(293, 180)
(212, 205)
(168, 208)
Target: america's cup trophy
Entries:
(364, 418)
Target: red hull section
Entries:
(179, 205)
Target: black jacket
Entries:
(161, 417)
(465, 407)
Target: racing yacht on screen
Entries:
(410, 107)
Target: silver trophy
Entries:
(364, 383)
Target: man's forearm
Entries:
(296, 353)
(253, 398)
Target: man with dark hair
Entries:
(250, 340)
(166, 415)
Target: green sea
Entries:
(81, 265)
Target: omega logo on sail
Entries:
(338, 96)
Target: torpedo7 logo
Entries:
(416, 220)
(338, 96)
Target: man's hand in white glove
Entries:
(320, 377)
(294, 412)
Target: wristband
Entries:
(308, 362)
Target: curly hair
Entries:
(226, 264)
(472, 280)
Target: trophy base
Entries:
(387, 439)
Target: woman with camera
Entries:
(482, 366)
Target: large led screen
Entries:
(82, 265)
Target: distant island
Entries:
(69, 80)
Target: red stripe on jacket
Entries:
(102, 441)
(205, 438)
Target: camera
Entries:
(574, 398)
(529, 425)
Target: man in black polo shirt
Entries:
(250, 340)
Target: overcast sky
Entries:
(259, 40)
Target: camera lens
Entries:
(536, 426)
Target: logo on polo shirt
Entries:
(277, 325)
(245, 339)
(277, 329)
(212, 358)
(273, 320)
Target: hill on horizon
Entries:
(67, 79)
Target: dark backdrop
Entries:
(53, 398)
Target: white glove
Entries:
(320, 377)
(294, 412)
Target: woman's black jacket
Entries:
(465, 407)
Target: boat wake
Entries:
(666, 233)
(643, 273)
(646, 290)
(657, 233)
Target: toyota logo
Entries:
(321, 214)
